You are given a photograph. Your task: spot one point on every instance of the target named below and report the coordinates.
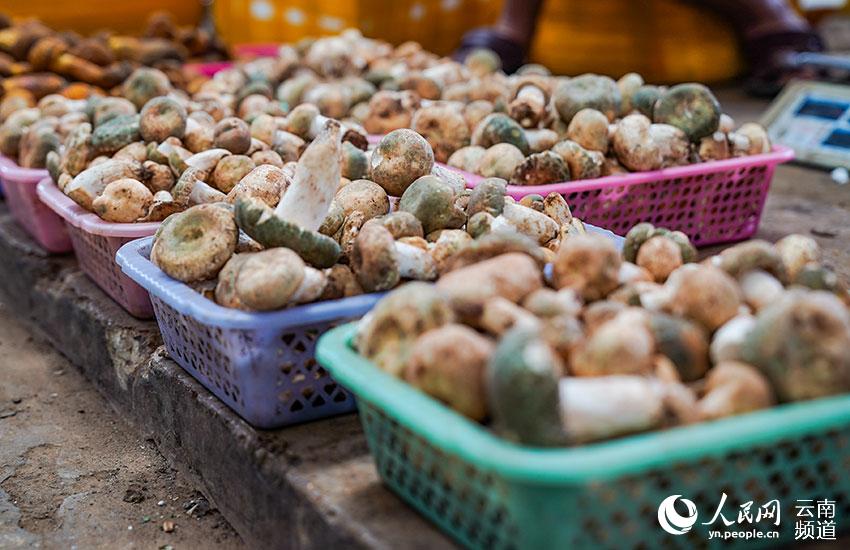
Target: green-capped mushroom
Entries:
(690, 107)
(194, 245)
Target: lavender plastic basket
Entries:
(95, 243)
(28, 211)
(260, 364)
(711, 202)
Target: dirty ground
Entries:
(75, 475)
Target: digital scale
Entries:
(813, 118)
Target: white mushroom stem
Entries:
(202, 193)
(205, 161)
(526, 221)
(501, 314)
(760, 288)
(307, 201)
(599, 407)
(727, 341)
(311, 287)
(90, 183)
(414, 262)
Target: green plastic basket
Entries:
(490, 493)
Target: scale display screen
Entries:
(819, 108)
(813, 118)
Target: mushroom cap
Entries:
(265, 182)
(690, 107)
(703, 293)
(261, 223)
(491, 245)
(363, 196)
(796, 251)
(449, 363)
(402, 224)
(589, 128)
(233, 134)
(589, 264)
(387, 334)
(522, 386)
(467, 158)
(644, 98)
(512, 276)
(195, 244)
(500, 161)
(800, 343)
(230, 170)
(433, 203)
(683, 342)
(112, 135)
(144, 84)
(487, 196)
(633, 144)
(747, 256)
(124, 200)
(587, 91)
(400, 158)
(733, 388)
(622, 345)
(373, 258)
(628, 84)
(660, 256)
(267, 280)
(162, 117)
(541, 169)
(354, 163)
(500, 128)
(444, 127)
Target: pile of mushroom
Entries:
(347, 236)
(558, 129)
(610, 343)
(36, 61)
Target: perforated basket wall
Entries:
(488, 493)
(262, 365)
(270, 378)
(711, 202)
(96, 256)
(95, 243)
(44, 225)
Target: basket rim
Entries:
(10, 169)
(133, 260)
(628, 455)
(779, 155)
(79, 217)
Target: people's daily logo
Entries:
(671, 520)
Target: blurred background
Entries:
(664, 40)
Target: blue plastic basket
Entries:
(262, 365)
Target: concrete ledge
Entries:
(308, 486)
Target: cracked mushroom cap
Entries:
(263, 225)
(195, 244)
(124, 201)
(363, 196)
(541, 169)
(522, 387)
(400, 158)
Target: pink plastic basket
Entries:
(208, 69)
(711, 202)
(29, 212)
(95, 243)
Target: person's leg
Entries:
(510, 37)
(769, 31)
